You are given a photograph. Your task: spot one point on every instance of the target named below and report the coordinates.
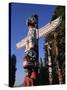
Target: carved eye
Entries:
(32, 53)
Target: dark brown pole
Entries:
(58, 62)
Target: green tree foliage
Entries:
(59, 11)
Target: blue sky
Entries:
(19, 14)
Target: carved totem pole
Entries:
(31, 53)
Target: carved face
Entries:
(32, 54)
(32, 21)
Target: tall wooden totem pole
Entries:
(31, 53)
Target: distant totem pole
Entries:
(49, 62)
(30, 62)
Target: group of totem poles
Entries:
(30, 60)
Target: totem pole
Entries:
(31, 53)
(49, 63)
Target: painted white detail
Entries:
(25, 63)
